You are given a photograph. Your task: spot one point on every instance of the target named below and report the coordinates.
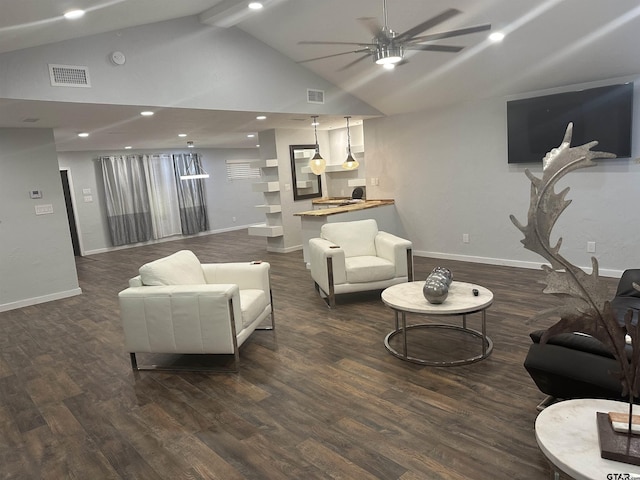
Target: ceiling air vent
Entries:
(69, 76)
(315, 96)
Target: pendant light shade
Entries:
(317, 164)
(350, 163)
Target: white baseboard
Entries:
(295, 248)
(163, 240)
(604, 272)
(36, 300)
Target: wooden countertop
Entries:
(323, 212)
(330, 200)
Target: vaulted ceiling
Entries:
(548, 44)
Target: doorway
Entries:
(71, 218)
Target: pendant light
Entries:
(317, 164)
(194, 167)
(350, 163)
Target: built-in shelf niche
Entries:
(269, 208)
(266, 187)
(264, 230)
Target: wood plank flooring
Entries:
(319, 399)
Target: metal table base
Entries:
(402, 328)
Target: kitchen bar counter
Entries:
(342, 206)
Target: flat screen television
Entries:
(536, 125)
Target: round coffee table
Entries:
(408, 298)
(567, 434)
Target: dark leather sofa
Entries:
(574, 365)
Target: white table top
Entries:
(408, 297)
(567, 434)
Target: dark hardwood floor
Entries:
(319, 399)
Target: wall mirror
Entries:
(305, 183)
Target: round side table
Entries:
(567, 435)
(408, 298)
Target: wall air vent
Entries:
(315, 96)
(69, 76)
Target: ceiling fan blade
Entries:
(435, 48)
(334, 55)
(372, 24)
(451, 33)
(312, 42)
(358, 60)
(432, 22)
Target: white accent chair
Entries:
(178, 305)
(354, 257)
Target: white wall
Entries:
(177, 63)
(230, 205)
(36, 258)
(448, 173)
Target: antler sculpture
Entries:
(585, 307)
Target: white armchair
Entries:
(178, 305)
(355, 256)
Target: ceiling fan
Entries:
(388, 47)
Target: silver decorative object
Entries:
(436, 287)
(435, 290)
(444, 271)
(585, 307)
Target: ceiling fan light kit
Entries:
(387, 48)
(388, 54)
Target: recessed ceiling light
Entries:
(146, 113)
(257, 145)
(251, 135)
(128, 147)
(255, 5)
(261, 117)
(182, 134)
(83, 134)
(73, 14)
(496, 36)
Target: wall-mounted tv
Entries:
(536, 125)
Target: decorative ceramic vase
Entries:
(435, 290)
(444, 271)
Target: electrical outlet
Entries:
(465, 238)
(44, 209)
(591, 247)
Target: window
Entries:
(241, 170)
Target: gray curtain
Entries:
(127, 199)
(191, 196)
